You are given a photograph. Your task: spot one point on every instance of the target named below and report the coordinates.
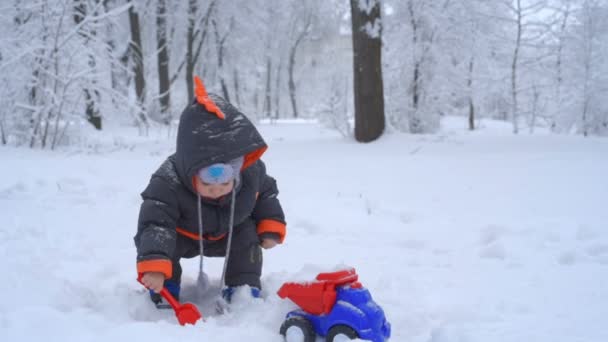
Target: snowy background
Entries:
(537, 64)
(459, 236)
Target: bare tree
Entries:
(3, 129)
(588, 36)
(423, 69)
(561, 41)
(60, 63)
(415, 122)
(367, 63)
(470, 21)
(523, 18)
(584, 68)
(137, 59)
(3, 134)
(117, 55)
(277, 86)
(471, 97)
(334, 109)
(91, 95)
(196, 35)
(220, 43)
(519, 15)
(164, 85)
(301, 27)
(267, 107)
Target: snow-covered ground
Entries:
(460, 237)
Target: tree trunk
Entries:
(277, 86)
(2, 131)
(534, 109)
(164, 85)
(558, 66)
(237, 88)
(586, 95)
(514, 69)
(267, 108)
(3, 138)
(136, 56)
(92, 111)
(36, 120)
(589, 35)
(471, 102)
(192, 52)
(114, 70)
(292, 83)
(33, 100)
(92, 97)
(292, 62)
(367, 64)
(190, 63)
(221, 45)
(416, 86)
(415, 123)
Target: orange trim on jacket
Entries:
(157, 265)
(252, 157)
(203, 98)
(195, 236)
(272, 226)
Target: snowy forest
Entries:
(71, 66)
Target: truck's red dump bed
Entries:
(319, 296)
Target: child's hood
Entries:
(203, 138)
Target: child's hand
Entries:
(154, 281)
(268, 243)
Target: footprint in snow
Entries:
(17, 188)
(71, 186)
(491, 234)
(586, 233)
(599, 252)
(413, 244)
(448, 333)
(568, 258)
(495, 250)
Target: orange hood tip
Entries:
(203, 98)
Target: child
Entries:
(214, 178)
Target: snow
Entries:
(367, 6)
(459, 236)
(373, 29)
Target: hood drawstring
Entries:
(200, 230)
(230, 230)
(203, 279)
(201, 274)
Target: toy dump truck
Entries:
(335, 306)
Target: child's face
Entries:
(213, 191)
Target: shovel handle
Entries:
(169, 297)
(165, 293)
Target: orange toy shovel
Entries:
(186, 313)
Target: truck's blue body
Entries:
(355, 308)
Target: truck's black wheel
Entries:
(298, 329)
(340, 333)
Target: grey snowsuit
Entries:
(168, 227)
